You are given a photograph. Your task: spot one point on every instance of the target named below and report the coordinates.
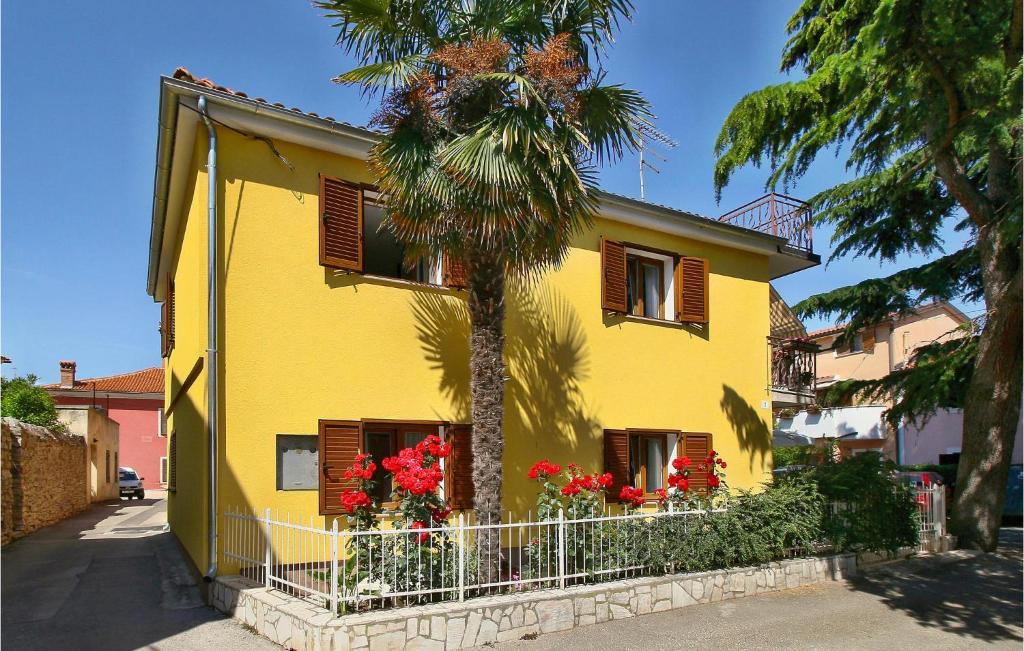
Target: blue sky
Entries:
(79, 95)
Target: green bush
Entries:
(870, 510)
(756, 528)
(20, 398)
(794, 455)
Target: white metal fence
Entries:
(932, 503)
(331, 567)
(336, 566)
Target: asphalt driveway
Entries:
(109, 578)
(948, 601)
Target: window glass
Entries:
(644, 287)
(652, 290)
(127, 475)
(858, 343)
(383, 255)
(654, 463)
(412, 438)
(379, 446)
(163, 470)
(297, 462)
(161, 422)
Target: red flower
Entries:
(543, 469)
(721, 463)
(351, 500)
(440, 515)
(605, 480)
(423, 536)
(681, 462)
(632, 495)
(713, 481)
(662, 494)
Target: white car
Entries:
(130, 483)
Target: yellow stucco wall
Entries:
(300, 343)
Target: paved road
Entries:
(110, 578)
(945, 602)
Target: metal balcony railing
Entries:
(778, 215)
(793, 365)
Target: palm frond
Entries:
(383, 75)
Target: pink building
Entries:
(136, 401)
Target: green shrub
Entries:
(756, 528)
(794, 455)
(20, 398)
(870, 511)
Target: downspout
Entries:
(211, 333)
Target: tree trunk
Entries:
(486, 282)
(993, 402)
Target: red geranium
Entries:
(713, 481)
(680, 463)
(662, 495)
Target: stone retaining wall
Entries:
(295, 624)
(42, 476)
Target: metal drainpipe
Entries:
(211, 332)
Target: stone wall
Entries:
(43, 477)
(295, 624)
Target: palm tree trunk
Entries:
(486, 282)
(993, 402)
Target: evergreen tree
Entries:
(926, 94)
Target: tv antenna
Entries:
(650, 136)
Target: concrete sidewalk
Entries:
(109, 578)
(947, 601)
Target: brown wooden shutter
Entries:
(172, 462)
(339, 445)
(453, 272)
(868, 337)
(459, 467)
(167, 320)
(616, 460)
(613, 276)
(341, 224)
(692, 290)
(697, 446)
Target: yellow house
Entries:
(294, 333)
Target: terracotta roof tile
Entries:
(148, 380)
(183, 74)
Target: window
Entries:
(858, 344)
(167, 319)
(161, 422)
(648, 461)
(297, 462)
(383, 441)
(383, 255)
(645, 279)
(127, 475)
(163, 470)
(653, 284)
(108, 467)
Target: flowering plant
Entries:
(632, 495)
(357, 502)
(585, 492)
(417, 476)
(549, 499)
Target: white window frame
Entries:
(165, 469)
(668, 273)
(161, 423)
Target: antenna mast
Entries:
(651, 136)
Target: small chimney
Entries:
(67, 373)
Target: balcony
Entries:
(779, 215)
(793, 370)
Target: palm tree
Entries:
(494, 119)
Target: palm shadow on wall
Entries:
(754, 436)
(547, 364)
